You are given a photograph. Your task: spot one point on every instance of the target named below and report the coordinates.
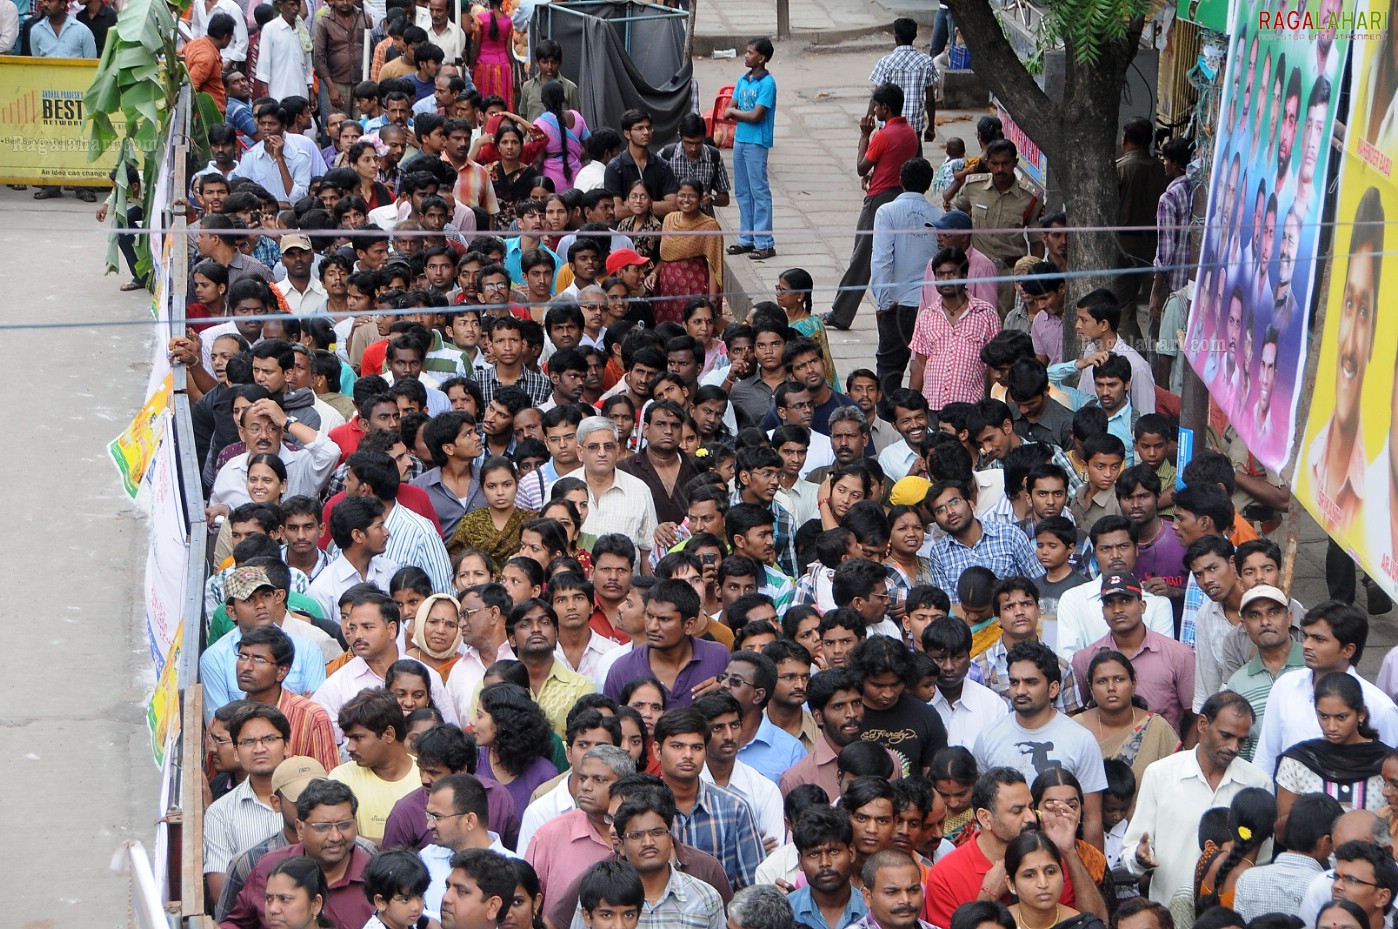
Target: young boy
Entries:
(1087, 422)
(1054, 540)
(754, 109)
(925, 605)
(396, 882)
(925, 672)
(300, 530)
(1104, 454)
(1154, 436)
(1116, 812)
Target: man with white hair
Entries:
(761, 906)
(617, 501)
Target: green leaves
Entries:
(1085, 28)
(138, 81)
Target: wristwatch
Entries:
(291, 419)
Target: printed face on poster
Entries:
(1247, 335)
(1346, 474)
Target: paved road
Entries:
(78, 775)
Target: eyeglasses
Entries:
(438, 817)
(604, 447)
(257, 660)
(466, 614)
(732, 679)
(953, 502)
(267, 740)
(654, 835)
(220, 739)
(343, 826)
(1351, 880)
(260, 429)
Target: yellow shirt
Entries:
(376, 796)
(561, 690)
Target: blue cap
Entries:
(954, 219)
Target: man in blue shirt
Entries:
(253, 600)
(824, 842)
(59, 35)
(897, 267)
(751, 679)
(755, 111)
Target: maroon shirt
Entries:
(347, 905)
(407, 821)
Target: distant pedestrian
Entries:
(881, 157)
(755, 110)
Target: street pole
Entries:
(783, 19)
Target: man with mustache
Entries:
(1003, 809)
(1036, 736)
(724, 768)
(1175, 791)
(824, 842)
(714, 820)
(892, 891)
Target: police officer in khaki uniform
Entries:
(997, 201)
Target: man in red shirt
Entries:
(881, 158)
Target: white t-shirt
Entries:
(1061, 743)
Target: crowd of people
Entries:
(545, 593)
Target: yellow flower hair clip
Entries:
(1245, 833)
(701, 452)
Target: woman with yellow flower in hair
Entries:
(1251, 818)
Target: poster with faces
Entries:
(1346, 473)
(1247, 335)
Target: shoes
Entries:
(87, 195)
(762, 254)
(832, 323)
(740, 249)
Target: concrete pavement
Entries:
(78, 771)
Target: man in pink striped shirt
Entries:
(952, 328)
(954, 231)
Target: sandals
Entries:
(87, 195)
(740, 249)
(48, 193)
(762, 254)
(132, 285)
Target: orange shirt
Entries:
(205, 64)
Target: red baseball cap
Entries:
(623, 258)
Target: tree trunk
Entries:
(1078, 134)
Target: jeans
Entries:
(856, 278)
(754, 194)
(941, 31)
(891, 358)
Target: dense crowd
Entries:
(545, 592)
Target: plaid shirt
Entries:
(994, 673)
(723, 826)
(266, 251)
(784, 536)
(708, 172)
(953, 350)
(1175, 209)
(1002, 548)
(533, 383)
(914, 72)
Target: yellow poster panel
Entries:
(1347, 472)
(133, 450)
(43, 133)
(163, 711)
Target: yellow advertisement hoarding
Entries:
(1346, 473)
(43, 133)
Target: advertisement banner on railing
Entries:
(1346, 473)
(135, 448)
(44, 137)
(1248, 332)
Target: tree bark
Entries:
(1078, 134)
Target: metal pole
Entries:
(689, 33)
